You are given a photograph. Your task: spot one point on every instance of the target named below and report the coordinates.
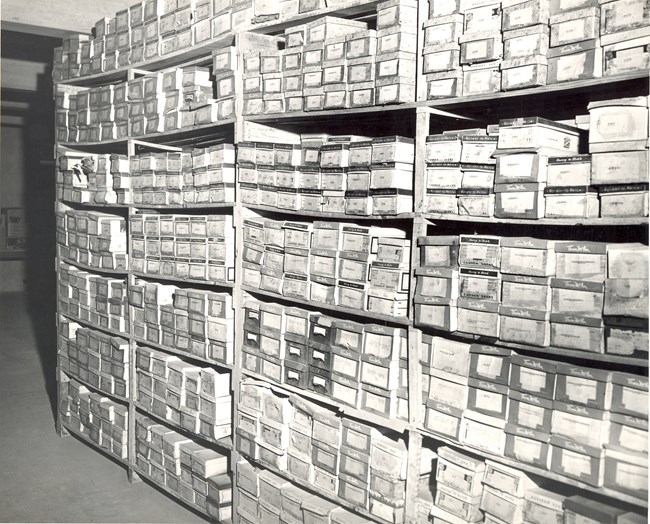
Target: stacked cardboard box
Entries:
(196, 474)
(266, 497)
(624, 35)
(98, 418)
(534, 291)
(194, 247)
(502, 172)
(195, 321)
(93, 179)
(334, 63)
(335, 263)
(92, 238)
(184, 178)
(534, 411)
(68, 59)
(336, 174)
(191, 397)
(166, 101)
(94, 357)
(618, 142)
(358, 365)
(88, 297)
(338, 456)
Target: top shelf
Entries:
(200, 54)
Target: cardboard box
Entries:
(578, 61)
(574, 26)
(629, 393)
(577, 461)
(581, 261)
(483, 432)
(622, 16)
(624, 121)
(481, 78)
(628, 55)
(624, 200)
(480, 251)
(533, 375)
(619, 167)
(538, 134)
(584, 508)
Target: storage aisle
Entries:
(45, 478)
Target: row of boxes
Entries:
(538, 411)
(92, 238)
(195, 247)
(469, 489)
(92, 179)
(334, 63)
(338, 456)
(193, 398)
(522, 169)
(98, 418)
(94, 357)
(196, 176)
(359, 365)
(537, 292)
(158, 102)
(267, 497)
(88, 297)
(348, 175)
(191, 320)
(475, 47)
(335, 263)
(198, 475)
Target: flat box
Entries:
(574, 332)
(437, 282)
(629, 394)
(533, 375)
(482, 434)
(577, 461)
(441, 59)
(624, 200)
(579, 61)
(628, 433)
(479, 284)
(439, 313)
(462, 507)
(570, 171)
(443, 148)
(525, 14)
(537, 134)
(443, 30)
(379, 401)
(625, 340)
(581, 508)
(585, 386)
(453, 394)
(460, 470)
(483, 18)
(627, 297)
(627, 472)
(438, 251)
(478, 317)
(622, 15)
(628, 55)
(525, 326)
(581, 261)
(519, 201)
(526, 42)
(501, 506)
(450, 358)
(627, 260)
(575, 26)
(481, 78)
(530, 411)
(581, 424)
(480, 47)
(328, 27)
(480, 251)
(577, 297)
(490, 363)
(624, 121)
(527, 292)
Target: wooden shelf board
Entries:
(224, 443)
(374, 317)
(544, 473)
(534, 91)
(227, 285)
(180, 353)
(399, 426)
(90, 325)
(325, 215)
(93, 444)
(176, 495)
(327, 113)
(118, 272)
(223, 205)
(95, 204)
(543, 350)
(349, 9)
(197, 54)
(314, 489)
(112, 396)
(572, 222)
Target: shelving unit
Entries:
(416, 119)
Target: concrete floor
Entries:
(43, 477)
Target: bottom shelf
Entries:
(544, 473)
(93, 444)
(176, 496)
(311, 487)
